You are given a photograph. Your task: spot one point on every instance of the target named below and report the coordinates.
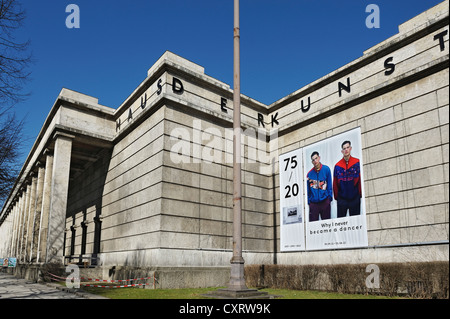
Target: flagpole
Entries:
(237, 281)
(237, 287)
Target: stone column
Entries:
(58, 197)
(30, 220)
(45, 209)
(23, 235)
(37, 215)
(19, 224)
(14, 233)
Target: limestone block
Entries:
(257, 218)
(181, 208)
(179, 240)
(215, 198)
(133, 244)
(251, 244)
(423, 140)
(445, 134)
(181, 177)
(414, 161)
(429, 195)
(382, 152)
(419, 105)
(445, 153)
(213, 242)
(215, 228)
(180, 192)
(442, 96)
(446, 173)
(176, 224)
(380, 135)
(220, 213)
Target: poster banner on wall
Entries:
(292, 233)
(335, 214)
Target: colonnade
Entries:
(37, 213)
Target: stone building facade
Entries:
(150, 184)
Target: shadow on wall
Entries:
(82, 240)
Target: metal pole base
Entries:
(237, 289)
(237, 280)
(227, 293)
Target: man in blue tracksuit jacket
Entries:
(320, 192)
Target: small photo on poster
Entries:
(292, 215)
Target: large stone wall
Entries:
(403, 116)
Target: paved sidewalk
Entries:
(15, 288)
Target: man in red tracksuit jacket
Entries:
(347, 183)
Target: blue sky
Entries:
(285, 44)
